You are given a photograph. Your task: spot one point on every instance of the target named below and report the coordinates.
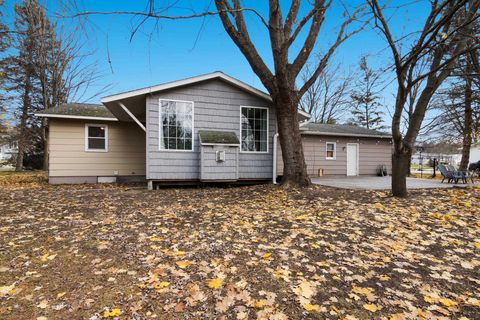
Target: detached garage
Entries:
(344, 150)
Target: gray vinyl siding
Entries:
(216, 107)
(213, 170)
(372, 153)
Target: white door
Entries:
(352, 159)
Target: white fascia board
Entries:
(305, 114)
(63, 116)
(174, 84)
(317, 133)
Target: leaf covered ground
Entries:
(258, 252)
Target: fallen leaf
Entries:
(311, 307)
(215, 283)
(370, 307)
(448, 302)
(115, 312)
(183, 264)
(43, 304)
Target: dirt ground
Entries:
(257, 252)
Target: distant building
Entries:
(7, 150)
(474, 153)
(426, 158)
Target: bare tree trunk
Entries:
(295, 169)
(22, 141)
(467, 132)
(400, 164)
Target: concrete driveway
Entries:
(381, 183)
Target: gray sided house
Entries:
(202, 129)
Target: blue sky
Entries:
(172, 50)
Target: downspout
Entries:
(274, 173)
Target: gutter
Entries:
(318, 133)
(61, 116)
(274, 173)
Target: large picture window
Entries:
(254, 129)
(176, 125)
(96, 137)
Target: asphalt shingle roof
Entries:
(79, 109)
(341, 130)
(219, 137)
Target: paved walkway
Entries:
(380, 183)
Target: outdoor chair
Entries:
(465, 175)
(450, 175)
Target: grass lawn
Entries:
(91, 252)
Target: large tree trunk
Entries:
(26, 106)
(294, 167)
(467, 131)
(21, 152)
(400, 163)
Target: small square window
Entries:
(331, 150)
(96, 137)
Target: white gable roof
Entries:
(179, 83)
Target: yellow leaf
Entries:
(379, 206)
(370, 307)
(429, 299)
(215, 283)
(183, 264)
(301, 217)
(162, 285)
(61, 294)
(477, 245)
(155, 238)
(322, 264)
(267, 256)
(311, 307)
(384, 277)
(44, 258)
(444, 36)
(360, 290)
(259, 303)
(448, 302)
(115, 312)
(4, 290)
(179, 253)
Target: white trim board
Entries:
(63, 116)
(318, 133)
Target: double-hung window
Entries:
(96, 137)
(331, 150)
(254, 129)
(176, 125)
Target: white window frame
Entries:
(160, 126)
(334, 151)
(98, 125)
(268, 129)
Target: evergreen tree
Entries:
(365, 99)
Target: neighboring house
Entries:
(207, 128)
(333, 149)
(474, 153)
(7, 150)
(426, 158)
